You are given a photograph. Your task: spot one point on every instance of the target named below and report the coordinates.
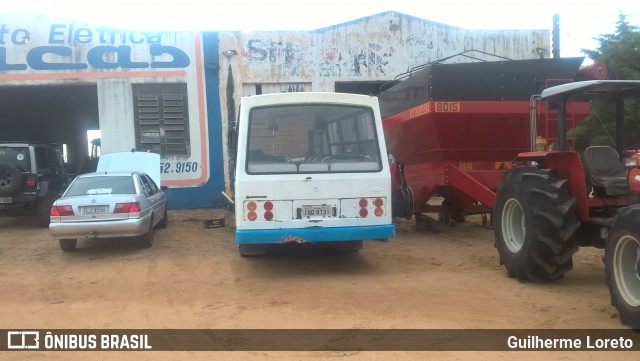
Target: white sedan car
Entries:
(109, 204)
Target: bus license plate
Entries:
(94, 209)
(5, 200)
(316, 211)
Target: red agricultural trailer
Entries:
(454, 129)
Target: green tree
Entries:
(620, 51)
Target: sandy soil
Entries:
(193, 277)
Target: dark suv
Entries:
(32, 177)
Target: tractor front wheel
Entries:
(622, 265)
(534, 223)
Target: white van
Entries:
(311, 167)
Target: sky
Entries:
(580, 21)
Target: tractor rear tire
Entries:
(622, 265)
(535, 222)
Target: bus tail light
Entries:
(363, 207)
(253, 211)
(364, 212)
(378, 203)
(251, 207)
(268, 206)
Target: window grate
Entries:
(162, 118)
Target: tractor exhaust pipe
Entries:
(555, 36)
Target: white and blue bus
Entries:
(311, 167)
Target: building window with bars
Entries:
(161, 115)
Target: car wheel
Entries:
(146, 240)
(68, 245)
(165, 219)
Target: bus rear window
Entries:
(312, 138)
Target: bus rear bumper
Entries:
(316, 234)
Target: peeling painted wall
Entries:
(375, 48)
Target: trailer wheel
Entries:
(534, 225)
(402, 203)
(456, 214)
(622, 265)
(425, 223)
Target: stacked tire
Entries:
(10, 179)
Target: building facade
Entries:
(176, 93)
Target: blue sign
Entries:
(63, 40)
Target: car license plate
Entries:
(94, 209)
(316, 211)
(6, 199)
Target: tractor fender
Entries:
(568, 166)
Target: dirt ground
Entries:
(193, 277)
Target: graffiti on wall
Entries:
(285, 57)
(355, 61)
(289, 58)
(294, 88)
(419, 50)
(377, 52)
(433, 45)
(462, 47)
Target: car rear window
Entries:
(101, 185)
(17, 156)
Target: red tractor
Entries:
(553, 202)
(454, 131)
